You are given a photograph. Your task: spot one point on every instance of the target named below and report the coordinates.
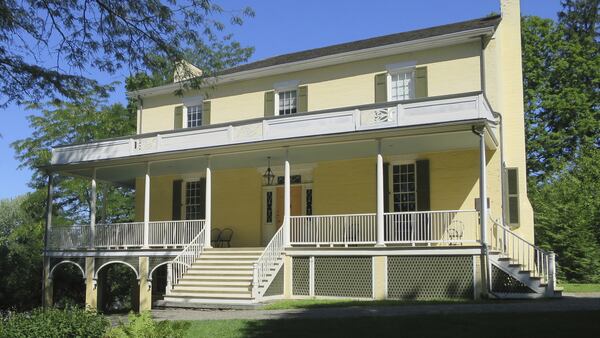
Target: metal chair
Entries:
(455, 232)
(215, 233)
(225, 238)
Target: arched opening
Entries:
(68, 285)
(118, 288)
(159, 283)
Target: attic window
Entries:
(194, 116)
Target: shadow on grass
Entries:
(556, 324)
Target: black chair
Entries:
(215, 233)
(225, 238)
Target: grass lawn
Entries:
(323, 303)
(557, 324)
(568, 287)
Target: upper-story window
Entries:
(288, 102)
(194, 116)
(401, 84)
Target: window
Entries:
(194, 200)
(294, 179)
(269, 215)
(401, 84)
(194, 116)
(404, 187)
(309, 202)
(513, 195)
(287, 102)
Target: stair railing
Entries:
(187, 257)
(539, 262)
(268, 264)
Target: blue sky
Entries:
(286, 26)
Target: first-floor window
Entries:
(287, 102)
(404, 187)
(194, 200)
(309, 201)
(269, 215)
(194, 116)
(513, 195)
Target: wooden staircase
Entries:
(221, 276)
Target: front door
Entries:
(273, 209)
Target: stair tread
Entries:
(240, 295)
(212, 289)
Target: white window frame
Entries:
(401, 68)
(185, 180)
(391, 183)
(282, 87)
(191, 102)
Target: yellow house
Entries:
(391, 167)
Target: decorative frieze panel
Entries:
(378, 116)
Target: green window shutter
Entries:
(386, 187)
(202, 198)
(423, 193)
(177, 186)
(178, 118)
(205, 113)
(269, 103)
(421, 82)
(381, 88)
(302, 99)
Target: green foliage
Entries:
(119, 288)
(47, 47)
(70, 322)
(568, 219)
(21, 243)
(143, 326)
(561, 68)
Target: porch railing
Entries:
(187, 257)
(532, 258)
(268, 264)
(333, 229)
(124, 235)
(429, 227)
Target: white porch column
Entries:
(146, 205)
(93, 199)
(483, 210)
(380, 198)
(286, 201)
(208, 206)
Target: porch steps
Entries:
(537, 285)
(221, 276)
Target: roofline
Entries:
(327, 60)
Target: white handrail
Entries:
(532, 258)
(268, 264)
(182, 262)
(333, 229)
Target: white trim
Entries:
(137, 275)
(286, 85)
(401, 66)
(51, 273)
(384, 251)
(357, 55)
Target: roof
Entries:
(486, 22)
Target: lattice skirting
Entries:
(300, 276)
(430, 277)
(504, 283)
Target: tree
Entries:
(47, 47)
(561, 68)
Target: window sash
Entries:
(194, 116)
(194, 201)
(401, 85)
(287, 102)
(404, 187)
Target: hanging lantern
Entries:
(269, 176)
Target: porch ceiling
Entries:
(338, 148)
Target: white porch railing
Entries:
(268, 264)
(333, 229)
(532, 258)
(428, 227)
(124, 235)
(187, 257)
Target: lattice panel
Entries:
(505, 283)
(300, 276)
(430, 277)
(344, 277)
(276, 287)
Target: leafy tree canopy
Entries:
(47, 47)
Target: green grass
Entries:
(325, 303)
(554, 324)
(571, 287)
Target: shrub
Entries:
(69, 322)
(143, 325)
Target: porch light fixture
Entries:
(268, 176)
